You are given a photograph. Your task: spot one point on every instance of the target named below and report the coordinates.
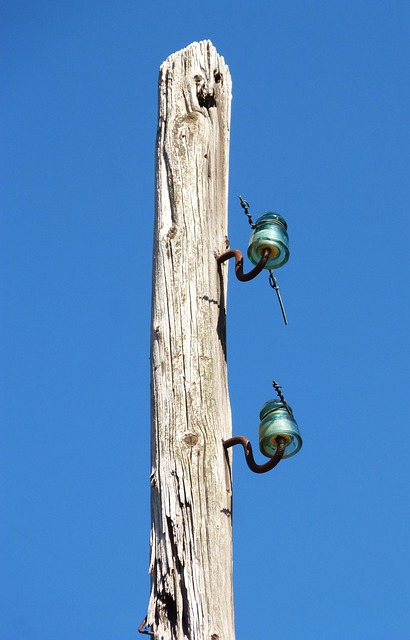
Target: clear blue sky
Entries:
(320, 133)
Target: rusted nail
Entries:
(142, 628)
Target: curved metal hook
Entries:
(237, 254)
(253, 466)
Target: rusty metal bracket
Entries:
(237, 254)
(143, 629)
(250, 460)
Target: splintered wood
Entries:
(191, 535)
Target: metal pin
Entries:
(274, 285)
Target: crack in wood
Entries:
(210, 300)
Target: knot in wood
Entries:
(190, 439)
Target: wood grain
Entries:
(191, 535)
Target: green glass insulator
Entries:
(277, 420)
(270, 232)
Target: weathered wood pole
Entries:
(191, 535)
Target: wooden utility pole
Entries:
(191, 535)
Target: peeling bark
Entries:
(191, 535)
